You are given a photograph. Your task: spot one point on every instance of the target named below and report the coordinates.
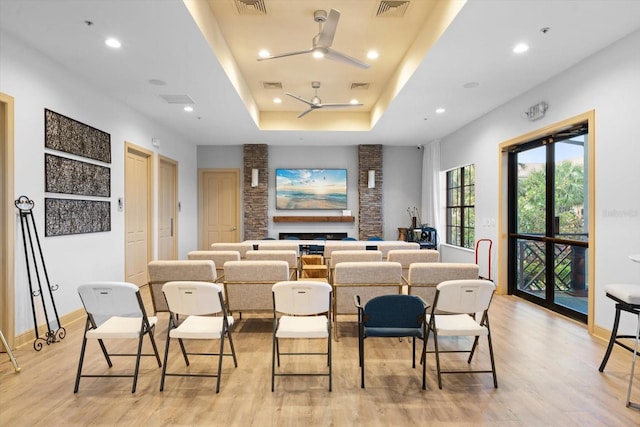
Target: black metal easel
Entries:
(52, 335)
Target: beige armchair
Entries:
(279, 245)
(406, 257)
(366, 279)
(352, 256)
(290, 256)
(218, 257)
(161, 272)
(240, 247)
(247, 284)
(331, 246)
(425, 276)
(386, 246)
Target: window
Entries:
(461, 199)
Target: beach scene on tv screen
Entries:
(311, 188)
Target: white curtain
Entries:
(431, 184)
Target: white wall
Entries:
(609, 83)
(37, 83)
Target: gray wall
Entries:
(401, 186)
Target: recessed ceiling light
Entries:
(372, 54)
(277, 100)
(264, 53)
(353, 102)
(188, 108)
(521, 48)
(471, 85)
(157, 82)
(114, 43)
(440, 110)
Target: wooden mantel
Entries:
(334, 218)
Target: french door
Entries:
(548, 221)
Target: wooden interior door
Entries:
(168, 209)
(138, 208)
(219, 206)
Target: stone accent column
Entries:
(370, 199)
(255, 199)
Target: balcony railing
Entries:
(569, 266)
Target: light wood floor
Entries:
(547, 375)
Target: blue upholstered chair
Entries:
(392, 316)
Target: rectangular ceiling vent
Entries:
(392, 9)
(177, 99)
(359, 86)
(251, 7)
(272, 85)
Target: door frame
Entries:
(174, 163)
(130, 147)
(7, 233)
(503, 205)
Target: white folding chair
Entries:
(301, 310)
(198, 302)
(115, 311)
(461, 300)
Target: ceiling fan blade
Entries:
(304, 113)
(325, 38)
(300, 99)
(284, 55)
(341, 57)
(341, 105)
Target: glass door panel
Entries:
(548, 217)
(531, 194)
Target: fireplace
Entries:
(313, 236)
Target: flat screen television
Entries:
(311, 189)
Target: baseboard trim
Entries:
(69, 318)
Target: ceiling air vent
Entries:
(359, 86)
(251, 7)
(392, 9)
(272, 85)
(177, 99)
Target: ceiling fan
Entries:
(315, 102)
(321, 43)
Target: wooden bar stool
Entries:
(627, 298)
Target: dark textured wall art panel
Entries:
(71, 216)
(65, 134)
(70, 176)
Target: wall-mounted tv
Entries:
(311, 189)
